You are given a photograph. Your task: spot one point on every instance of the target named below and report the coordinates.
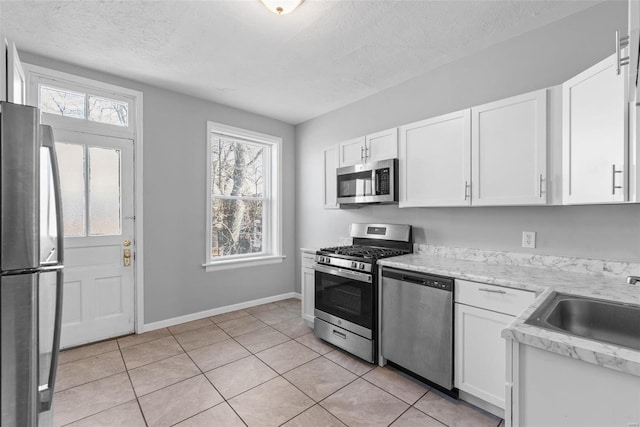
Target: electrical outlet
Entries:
(528, 239)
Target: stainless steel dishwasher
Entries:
(417, 324)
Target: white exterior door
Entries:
(98, 211)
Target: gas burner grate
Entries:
(370, 252)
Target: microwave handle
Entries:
(376, 184)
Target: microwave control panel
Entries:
(383, 181)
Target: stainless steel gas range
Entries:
(346, 291)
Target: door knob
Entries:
(126, 257)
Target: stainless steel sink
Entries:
(606, 321)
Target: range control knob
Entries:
(354, 265)
(362, 266)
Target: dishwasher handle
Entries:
(412, 279)
(431, 281)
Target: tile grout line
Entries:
(97, 413)
(143, 342)
(254, 354)
(92, 355)
(226, 401)
(317, 402)
(106, 409)
(144, 418)
(423, 412)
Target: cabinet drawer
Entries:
(492, 297)
(308, 259)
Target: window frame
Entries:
(58, 81)
(272, 223)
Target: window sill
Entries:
(243, 262)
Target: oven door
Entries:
(345, 295)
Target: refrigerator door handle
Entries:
(48, 141)
(46, 393)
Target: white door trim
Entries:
(137, 135)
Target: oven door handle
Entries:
(360, 277)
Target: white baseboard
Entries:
(476, 401)
(215, 311)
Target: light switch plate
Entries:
(529, 239)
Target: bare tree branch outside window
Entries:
(68, 103)
(238, 197)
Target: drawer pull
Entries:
(495, 291)
(340, 334)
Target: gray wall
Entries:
(534, 60)
(174, 202)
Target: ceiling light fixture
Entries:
(281, 7)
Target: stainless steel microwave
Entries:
(375, 182)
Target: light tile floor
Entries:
(256, 367)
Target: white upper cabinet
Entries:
(594, 138)
(381, 145)
(633, 49)
(330, 182)
(434, 161)
(509, 151)
(370, 148)
(352, 151)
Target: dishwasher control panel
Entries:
(431, 281)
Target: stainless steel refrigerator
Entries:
(31, 265)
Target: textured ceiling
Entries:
(324, 55)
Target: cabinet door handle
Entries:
(621, 43)
(366, 152)
(494, 291)
(362, 153)
(613, 179)
(540, 184)
(467, 187)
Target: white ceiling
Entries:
(324, 55)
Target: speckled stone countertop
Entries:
(543, 275)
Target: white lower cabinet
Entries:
(307, 287)
(480, 353)
(482, 311)
(550, 389)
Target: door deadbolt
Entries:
(126, 243)
(126, 257)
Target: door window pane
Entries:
(104, 191)
(109, 111)
(62, 102)
(236, 227)
(71, 158)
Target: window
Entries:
(70, 103)
(243, 207)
